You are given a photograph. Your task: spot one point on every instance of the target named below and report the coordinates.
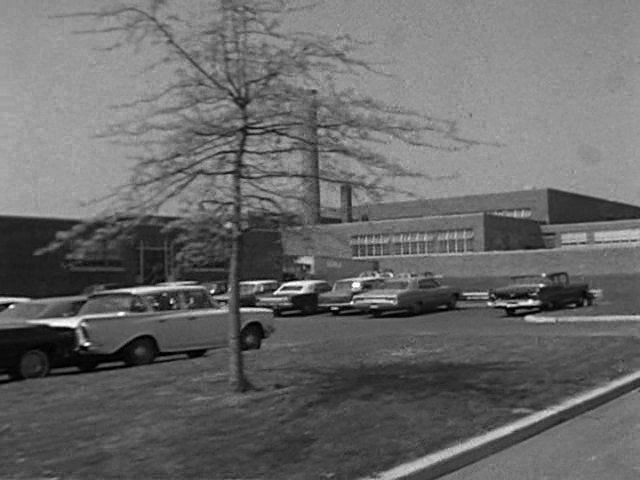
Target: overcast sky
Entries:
(555, 81)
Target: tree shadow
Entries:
(416, 381)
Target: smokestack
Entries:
(310, 165)
(346, 213)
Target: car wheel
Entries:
(140, 352)
(196, 353)
(32, 364)
(277, 313)
(452, 303)
(376, 313)
(88, 365)
(251, 338)
(510, 312)
(335, 313)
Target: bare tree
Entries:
(223, 136)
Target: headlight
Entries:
(356, 286)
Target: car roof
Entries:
(256, 282)
(149, 289)
(302, 283)
(361, 279)
(68, 298)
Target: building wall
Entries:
(535, 200)
(567, 207)
(334, 240)
(23, 273)
(586, 261)
(505, 233)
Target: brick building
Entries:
(147, 257)
(458, 236)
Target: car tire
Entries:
(451, 305)
(140, 352)
(277, 313)
(335, 313)
(511, 312)
(32, 364)
(251, 337)
(196, 353)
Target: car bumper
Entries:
(512, 304)
(377, 307)
(336, 306)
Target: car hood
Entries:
(70, 322)
(517, 289)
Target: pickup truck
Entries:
(29, 351)
(545, 291)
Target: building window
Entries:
(513, 212)
(631, 235)
(571, 239)
(412, 243)
(98, 256)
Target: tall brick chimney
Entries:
(310, 165)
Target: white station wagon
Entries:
(139, 323)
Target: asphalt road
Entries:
(466, 320)
(601, 444)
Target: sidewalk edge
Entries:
(446, 461)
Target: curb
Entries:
(583, 318)
(446, 461)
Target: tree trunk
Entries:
(237, 379)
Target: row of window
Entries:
(412, 243)
(604, 237)
(513, 212)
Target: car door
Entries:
(207, 324)
(431, 293)
(170, 323)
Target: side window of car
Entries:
(324, 287)
(425, 284)
(137, 304)
(165, 301)
(196, 299)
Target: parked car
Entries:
(250, 290)
(216, 288)
(540, 292)
(339, 298)
(139, 323)
(299, 295)
(30, 351)
(6, 302)
(50, 307)
(409, 294)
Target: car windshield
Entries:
(247, 288)
(291, 288)
(395, 285)
(112, 303)
(343, 286)
(23, 310)
(530, 280)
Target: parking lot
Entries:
(406, 384)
